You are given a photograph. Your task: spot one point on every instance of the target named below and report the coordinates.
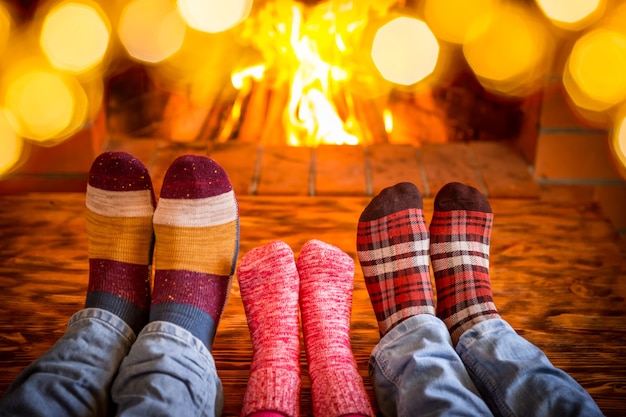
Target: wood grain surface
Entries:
(558, 276)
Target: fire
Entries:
(311, 117)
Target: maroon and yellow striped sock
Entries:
(460, 233)
(392, 247)
(196, 224)
(120, 204)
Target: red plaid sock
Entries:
(392, 246)
(326, 282)
(269, 285)
(459, 249)
(120, 204)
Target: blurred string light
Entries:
(595, 74)
(618, 140)
(508, 50)
(214, 16)
(151, 30)
(572, 14)
(405, 51)
(45, 106)
(451, 20)
(10, 145)
(75, 36)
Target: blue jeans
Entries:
(98, 368)
(493, 371)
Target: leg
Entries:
(414, 368)
(269, 285)
(513, 375)
(170, 370)
(75, 375)
(326, 282)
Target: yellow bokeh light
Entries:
(405, 51)
(508, 51)
(618, 142)
(450, 20)
(43, 105)
(214, 16)
(571, 14)
(151, 30)
(75, 36)
(11, 145)
(595, 75)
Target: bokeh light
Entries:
(508, 51)
(572, 14)
(11, 145)
(450, 20)
(595, 74)
(214, 16)
(44, 105)
(75, 36)
(405, 50)
(151, 30)
(618, 141)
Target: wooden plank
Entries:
(391, 164)
(558, 276)
(285, 170)
(449, 162)
(505, 172)
(239, 160)
(340, 170)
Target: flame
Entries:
(310, 117)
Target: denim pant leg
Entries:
(416, 372)
(516, 378)
(168, 372)
(74, 377)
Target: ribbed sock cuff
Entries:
(273, 390)
(339, 392)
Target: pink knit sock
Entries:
(326, 281)
(269, 285)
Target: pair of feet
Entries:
(395, 248)
(193, 234)
(274, 286)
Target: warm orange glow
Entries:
(10, 145)
(595, 76)
(572, 14)
(75, 36)
(388, 120)
(214, 16)
(405, 51)
(450, 20)
(5, 27)
(151, 30)
(44, 105)
(618, 141)
(508, 51)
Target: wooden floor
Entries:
(558, 267)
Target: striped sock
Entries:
(392, 247)
(196, 224)
(326, 283)
(269, 285)
(460, 233)
(120, 203)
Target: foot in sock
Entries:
(460, 234)
(392, 247)
(326, 284)
(269, 285)
(120, 204)
(196, 225)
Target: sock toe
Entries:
(457, 196)
(393, 199)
